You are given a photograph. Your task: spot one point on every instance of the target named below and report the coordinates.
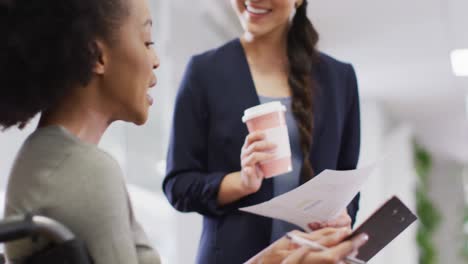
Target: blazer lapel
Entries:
(246, 88)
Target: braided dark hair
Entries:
(48, 47)
(302, 54)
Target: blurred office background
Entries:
(413, 76)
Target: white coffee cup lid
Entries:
(263, 109)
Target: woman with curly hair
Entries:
(83, 64)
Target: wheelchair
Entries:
(65, 247)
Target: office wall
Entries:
(446, 191)
(388, 143)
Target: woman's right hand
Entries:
(239, 184)
(255, 150)
(285, 251)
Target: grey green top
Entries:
(288, 181)
(57, 175)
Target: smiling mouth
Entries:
(256, 10)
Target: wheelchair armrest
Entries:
(16, 227)
(22, 226)
(65, 249)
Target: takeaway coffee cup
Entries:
(270, 119)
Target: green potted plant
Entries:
(429, 216)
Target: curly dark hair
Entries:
(302, 56)
(48, 47)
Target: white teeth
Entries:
(256, 10)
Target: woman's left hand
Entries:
(284, 247)
(344, 220)
(286, 251)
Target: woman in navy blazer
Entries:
(212, 158)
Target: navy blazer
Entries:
(208, 134)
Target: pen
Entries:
(318, 247)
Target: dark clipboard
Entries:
(383, 226)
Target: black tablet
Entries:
(383, 226)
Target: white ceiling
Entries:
(401, 51)
(400, 48)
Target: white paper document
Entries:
(323, 198)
